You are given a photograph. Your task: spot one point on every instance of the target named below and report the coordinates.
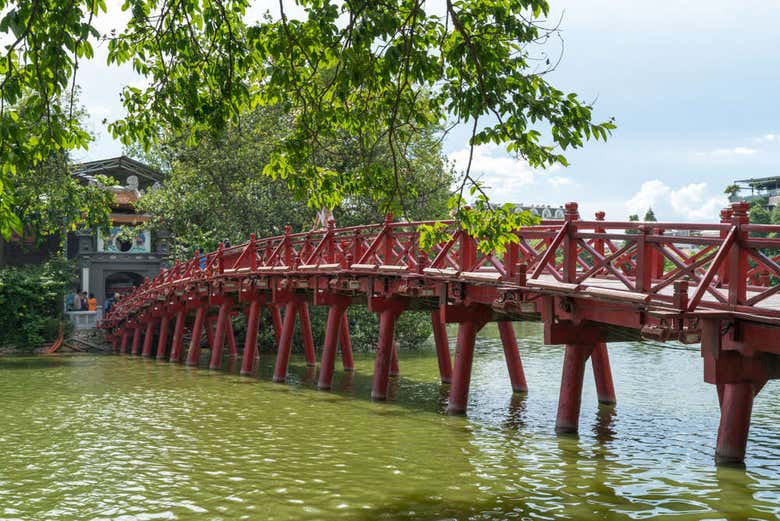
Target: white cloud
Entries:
(768, 138)
(690, 202)
(503, 174)
(725, 153)
(559, 181)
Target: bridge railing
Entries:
(727, 265)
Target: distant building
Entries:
(754, 189)
(546, 212)
(114, 263)
(111, 263)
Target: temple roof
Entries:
(120, 168)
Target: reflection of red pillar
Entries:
(346, 344)
(193, 355)
(285, 344)
(308, 338)
(276, 318)
(136, 340)
(384, 353)
(250, 342)
(512, 356)
(605, 388)
(162, 342)
(177, 344)
(734, 422)
(125, 341)
(328, 361)
(442, 347)
(394, 369)
(571, 387)
(461, 375)
(223, 318)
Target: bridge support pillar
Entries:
(464, 359)
(125, 341)
(394, 369)
(570, 398)
(512, 355)
(148, 337)
(223, 322)
(250, 342)
(337, 311)
(136, 340)
(193, 355)
(285, 343)
(308, 338)
(178, 337)
(602, 373)
(345, 341)
(384, 351)
(442, 347)
(162, 342)
(735, 411)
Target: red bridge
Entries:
(589, 282)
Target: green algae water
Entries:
(120, 438)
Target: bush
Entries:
(31, 303)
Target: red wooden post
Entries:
(193, 355)
(723, 270)
(394, 369)
(736, 407)
(346, 344)
(512, 356)
(738, 256)
(231, 338)
(571, 387)
(464, 358)
(332, 328)
(223, 319)
(598, 244)
(571, 215)
(177, 345)
(308, 339)
(148, 337)
(602, 373)
(384, 351)
(210, 330)
(136, 340)
(125, 340)
(285, 344)
(442, 347)
(250, 343)
(162, 342)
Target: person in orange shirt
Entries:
(92, 302)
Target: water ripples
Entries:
(128, 439)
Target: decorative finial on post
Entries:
(571, 212)
(600, 215)
(739, 212)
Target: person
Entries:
(92, 302)
(76, 301)
(84, 301)
(69, 302)
(108, 303)
(324, 216)
(226, 243)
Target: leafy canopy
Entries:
(366, 71)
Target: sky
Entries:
(693, 87)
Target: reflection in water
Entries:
(122, 438)
(603, 428)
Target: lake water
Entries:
(109, 437)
